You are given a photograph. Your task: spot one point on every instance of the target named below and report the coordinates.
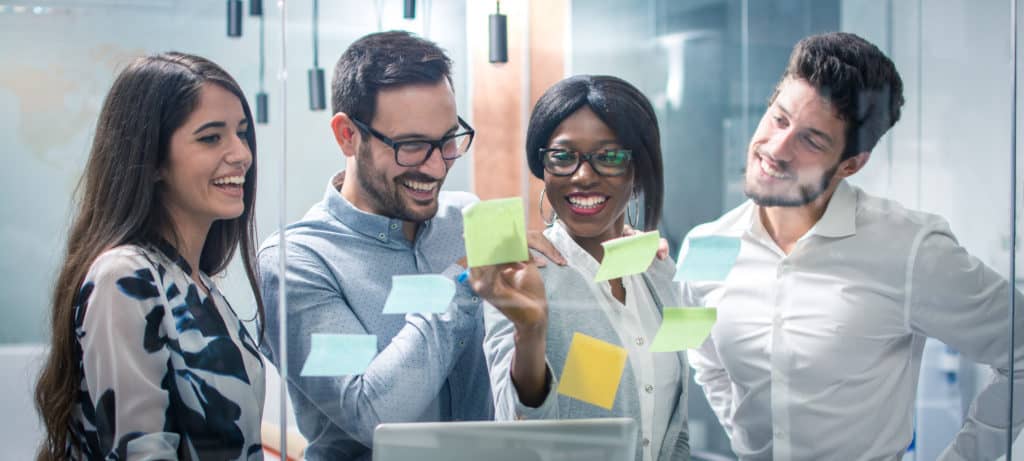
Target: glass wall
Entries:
(60, 58)
(709, 67)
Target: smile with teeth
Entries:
(587, 202)
(419, 186)
(772, 171)
(230, 181)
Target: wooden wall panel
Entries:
(503, 94)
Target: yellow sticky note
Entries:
(495, 232)
(684, 328)
(628, 255)
(592, 371)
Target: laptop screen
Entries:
(604, 439)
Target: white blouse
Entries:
(166, 371)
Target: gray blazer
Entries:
(573, 308)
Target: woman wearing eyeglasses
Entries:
(594, 141)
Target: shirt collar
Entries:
(377, 227)
(574, 254)
(839, 219)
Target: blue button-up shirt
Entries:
(340, 263)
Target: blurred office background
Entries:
(708, 66)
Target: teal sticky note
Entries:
(495, 232)
(426, 293)
(708, 259)
(627, 255)
(684, 328)
(339, 355)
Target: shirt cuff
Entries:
(548, 409)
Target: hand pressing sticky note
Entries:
(592, 371)
(684, 328)
(495, 232)
(628, 255)
(708, 259)
(426, 293)
(339, 355)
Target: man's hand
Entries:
(537, 241)
(515, 289)
(628, 230)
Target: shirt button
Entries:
(382, 236)
(639, 341)
(649, 388)
(462, 342)
(394, 226)
(475, 299)
(647, 442)
(779, 434)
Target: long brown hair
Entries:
(121, 204)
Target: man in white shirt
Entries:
(823, 318)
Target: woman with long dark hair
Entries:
(595, 143)
(147, 358)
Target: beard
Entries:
(386, 195)
(807, 193)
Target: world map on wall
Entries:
(60, 101)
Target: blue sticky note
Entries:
(708, 259)
(339, 355)
(427, 293)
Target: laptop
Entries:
(603, 439)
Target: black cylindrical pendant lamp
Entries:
(261, 108)
(234, 18)
(499, 36)
(317, 95)
(409, 10)
(255, 7)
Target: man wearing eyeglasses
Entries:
(395, 121)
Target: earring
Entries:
(633, 217)
(540, 206)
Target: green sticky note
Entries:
(628, 255)
(684, 328)
(708, 259)
(426, 293)
(339, 355)
(495, 232)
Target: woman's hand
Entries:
(515, 289)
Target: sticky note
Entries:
(592, 371)
(708, 259)
(495, 232)
(684, 328)
(427, 293)
(628, 255)
(339, 355)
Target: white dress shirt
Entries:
(659, 380)
(816, 354)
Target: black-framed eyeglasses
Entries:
(415, 152)
(562, 162)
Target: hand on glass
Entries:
(515, 289)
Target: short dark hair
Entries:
(858, 80)
(625, 110)
(383, 60)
